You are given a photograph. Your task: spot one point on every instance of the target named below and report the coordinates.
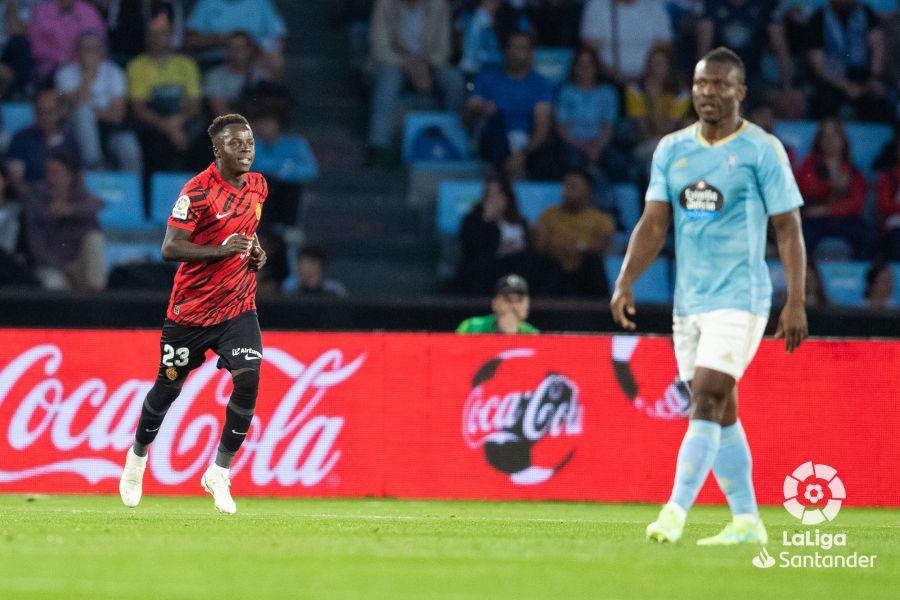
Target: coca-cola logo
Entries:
(52, 425)
(524, 418)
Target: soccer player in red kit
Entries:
(212, 231)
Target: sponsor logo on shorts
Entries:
(249, 353)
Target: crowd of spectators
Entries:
(128, 85)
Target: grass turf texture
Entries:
(71, 547)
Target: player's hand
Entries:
(257, 257)
(792, 326)
(237, 243)
(622, 302)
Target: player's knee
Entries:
(708, 404)
(161, 396)
(246, 388)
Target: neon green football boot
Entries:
(668, 526)
(743, 529)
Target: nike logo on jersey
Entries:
(223, 215)
(151, 430)
(238, 432)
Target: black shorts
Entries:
(237, 341)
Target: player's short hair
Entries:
(223, 121)
(726, 56)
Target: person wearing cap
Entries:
(510, 309)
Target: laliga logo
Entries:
(809, 486)
(524, 432)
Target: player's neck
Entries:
(234, 179)
(714, 132)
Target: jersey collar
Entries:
(704, 142)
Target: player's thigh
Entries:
(239, 343)
(685, 337)
(729, 340)
(181, 350)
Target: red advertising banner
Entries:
(441, 416)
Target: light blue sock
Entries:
(733, 467)
(695, 458)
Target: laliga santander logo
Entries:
(524, 417)
(810, 487)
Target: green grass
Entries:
(91, 547)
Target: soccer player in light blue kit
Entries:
(721, 180)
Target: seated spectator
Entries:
(410, 45)
(270, 281)
(481, 46)
(748, 27)
(225, 86)
(54, 29)
(509, 309)
(576, 235)
(277, 159)
(212, 21)
(833, 191)
(310, 271)
(164, 94)
(27, 155)
(65, 243)
(94, 89)
(13, 268)
(494, 239)
(879, 291)
(639, 26)
(656, 104)
(515, 106)
(16, 62)
(127, 22)
(889, 205)
(586, 113)
(847, 59)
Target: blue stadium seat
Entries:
(655, 285)
(15, 116)
(291, 160)
(797, 135)
(844, 282)
(455, 200)
(779, 280)
(122, 197)
(553, 63)
(628, 204)
(449, 124)
(895, 270)
(535, 196)
(164, 190)
(866, 142)
(124, 253)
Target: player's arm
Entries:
(792, 322)
(646, 241)
(177, 247)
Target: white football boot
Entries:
(215, 481)
(131, 482)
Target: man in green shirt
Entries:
(510, 306)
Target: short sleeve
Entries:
(464, 327)
(138, 81)
(776, 179)
(659, 187)
(186, 210)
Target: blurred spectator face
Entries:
(90, 50)
(240, 51)
(46, 111)
(495, 201)
(882, 288)
(515, 304)
(159, 35)
(576, 191)
(519, 54)
(658, 65)
(267, 129)
(310, 271)
(585, 69)
(59, 177)
(832, 139)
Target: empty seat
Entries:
(164, 190)
(844, 282)
(122, 197)
(430, 136)
(654, 285)
(15, 116)
(553, 63)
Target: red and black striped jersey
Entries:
(204, 294)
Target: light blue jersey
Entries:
(722, 195)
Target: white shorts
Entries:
(722, 340)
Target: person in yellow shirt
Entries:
(576, 235)
(165, 98)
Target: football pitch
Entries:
(72, 547)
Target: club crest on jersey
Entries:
(180, 210)
(732, 162)
(172, 374)
(258, 211)
(701, 201)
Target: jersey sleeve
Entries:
(187, 209)
(776, 180)
(465, 326)
(658, 189)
